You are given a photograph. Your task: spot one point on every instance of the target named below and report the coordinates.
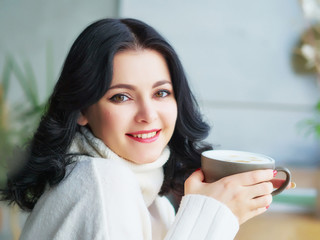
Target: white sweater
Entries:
(104, 197)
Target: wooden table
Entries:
(285, 225)
(281, 226)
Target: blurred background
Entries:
(254, 66)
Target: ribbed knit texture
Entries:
(201, 217)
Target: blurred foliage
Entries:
(312, 126)
(306, 56)
(306, 60)
(19, 120)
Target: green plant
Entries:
(19, 120)
(312, 126)
(306, 57)
(5, 145)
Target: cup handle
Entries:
(286, 183)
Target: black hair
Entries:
(85, 77)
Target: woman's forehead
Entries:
(139, 66)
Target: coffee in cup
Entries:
(217, 164)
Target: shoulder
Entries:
(93, 190)
(97, 176)
(90, 183)
(97, 167)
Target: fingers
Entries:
(197, 176)
(252, 214)
(291, 185)
(261, 202)
(260, 189)
(246, 194)
(257, 206)
(278, 182)
(193, 181)
(253, 177)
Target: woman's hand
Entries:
(246, 194)
(278, 182)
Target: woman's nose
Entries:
(146, 112)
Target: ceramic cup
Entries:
(217, 164)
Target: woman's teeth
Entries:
(145, 135)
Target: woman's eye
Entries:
(118, 98)
(162, 93)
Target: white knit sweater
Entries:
(104, 197)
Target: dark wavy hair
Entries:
(85, 77)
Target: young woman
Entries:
(122, 129)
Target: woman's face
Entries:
(137, 115)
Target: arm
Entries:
(201, 217)
(215, 210)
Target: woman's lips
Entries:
(145, 136)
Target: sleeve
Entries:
(200, 217)
(95, 201)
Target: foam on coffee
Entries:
(237, 156)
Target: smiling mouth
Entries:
(145, 136)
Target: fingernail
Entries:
(275, 172)
(267, 206)
(197, 169)
(293, 185)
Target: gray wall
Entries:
(237, 57)
(27, 28)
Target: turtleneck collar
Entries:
(150, 175)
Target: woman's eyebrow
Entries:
(131, 87)
(162, 82)
(121, 85)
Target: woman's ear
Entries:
(82, 120)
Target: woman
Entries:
(122, 129)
